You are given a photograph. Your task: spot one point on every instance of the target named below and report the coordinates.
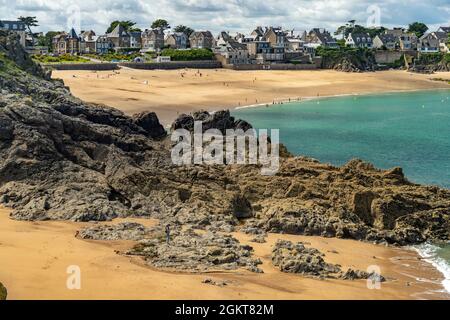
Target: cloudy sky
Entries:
(229, 15)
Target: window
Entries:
(15, 26)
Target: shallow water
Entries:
(411, 130)
(439, 256)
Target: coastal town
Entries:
(237, 150)
(262, 48)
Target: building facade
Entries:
(201, 40)
(153, 40)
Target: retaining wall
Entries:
(83, 66)
(173, 65)
(283, 66)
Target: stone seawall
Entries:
(84, 66)
(173, 65)
(284, 66)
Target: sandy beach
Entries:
(171, 92)
(35, 257)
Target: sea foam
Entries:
(430, 253)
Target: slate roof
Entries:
(386, 38)
(118, 32)
(73, 34)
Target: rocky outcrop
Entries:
(3, 292)
(430, 63)
(12, 49)
(296, 258)
(221, 120)
(122, 231)
(64, 159)
(348, 59)
(351, 274)
(190, 251)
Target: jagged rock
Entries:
(260, 238)
(215, 283)
(3, 292)
(150, 123)
(351, 274)
(193, 252)
(122, 231)
(296, 258)
(64, 159)
(221, 120)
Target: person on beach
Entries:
(168, 234)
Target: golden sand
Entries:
(35, 256)
(171, 92)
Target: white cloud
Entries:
(231, 15)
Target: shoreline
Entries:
(437, 262)
(312, 98)
(43, 250)
(169, 93)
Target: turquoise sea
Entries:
(411, 130)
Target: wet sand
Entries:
(35, 256)
(171, 92)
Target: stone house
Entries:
(135, 39)
(429, 43)
(408, 41)
(103, 45)
(320, 37)
(232, 52)
(176, 40)
(262, 52)
(88, 42)
(443, 40)
(359, 40)
(67, 43)
(386, 41)
(202, 40)
(16, 26)
(276, 37)
(153, 40)
(119, 37)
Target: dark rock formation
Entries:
(122, 231)
(348, 59)
(150, 123)
(63, 159)
(296, 258)
(3, 292)
(190, 251)
(351, 274)
(221, 120)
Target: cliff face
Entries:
(61, 158)
(432, 62)
(347, 59)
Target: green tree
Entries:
(418, 28)
(47, 40)
(160, 24)
(29, 22)
(184, 29)
(126, 24)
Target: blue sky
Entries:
(228, 15)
